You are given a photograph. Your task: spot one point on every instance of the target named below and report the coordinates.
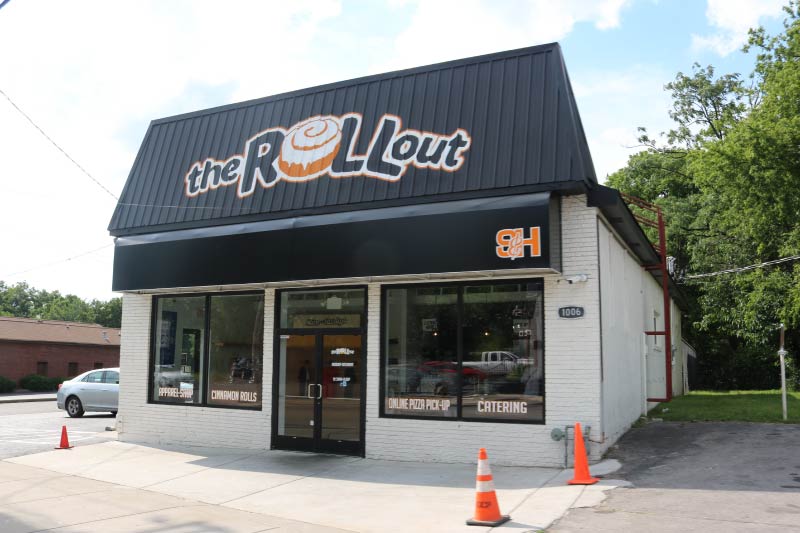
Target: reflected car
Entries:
(95, 390)
(441, 377)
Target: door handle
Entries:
(319, 397)
(308, 391)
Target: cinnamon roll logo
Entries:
(326, 145)
(511, 243)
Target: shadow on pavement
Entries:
(337, 467)
(732, 456)
(13, 524)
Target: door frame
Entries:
(318, 332)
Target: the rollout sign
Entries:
(326, 145)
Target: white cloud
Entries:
(450, 29)
(613, 104)
(734, 18)
(94, 73)
(87, 72)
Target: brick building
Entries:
(54, 348)
(407, 266)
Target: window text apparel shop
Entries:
(410, 266)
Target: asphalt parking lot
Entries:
(704, 476)
(33, 427)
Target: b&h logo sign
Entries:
(511, 243)
(326, 144)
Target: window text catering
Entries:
(326, 144)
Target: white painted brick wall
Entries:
(572, 373)
(139, 421)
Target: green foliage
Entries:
(705, 107)
(7, 385)
(726, 179)
(742, 406)
(37, 383)
(21, 300)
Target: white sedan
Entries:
(96, 390)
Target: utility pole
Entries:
(782, 355)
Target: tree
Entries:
(704, 107)
(726, 178)
(22, 300)
(108, 314)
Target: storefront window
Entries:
(209, 350)
(469, 351)
(502, 354)
(236, 350)
(421, 352)
(179, 350)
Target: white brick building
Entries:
(415, 296)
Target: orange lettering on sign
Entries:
(511, 243)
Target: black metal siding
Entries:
(517, 106)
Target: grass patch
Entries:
(734, 406)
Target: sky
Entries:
(92, 74)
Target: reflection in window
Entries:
(421, 352)
(179, 354)
(502, 357)
(236, 350)
(322, 309)
(497, 374)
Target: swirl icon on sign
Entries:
(310, 147)
(515, 245)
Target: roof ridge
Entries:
(54, 322)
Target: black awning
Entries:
(441, 237)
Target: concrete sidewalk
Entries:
(26, 396)
(315, 491)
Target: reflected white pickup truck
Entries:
(496, 362)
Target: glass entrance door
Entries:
(340, 423)
(319, 393)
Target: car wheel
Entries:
(74, 407)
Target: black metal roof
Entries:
(515, 109)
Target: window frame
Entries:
(206, 345)
(385, 288)
(278, 331)
(90, 374)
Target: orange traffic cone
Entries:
(487, 512)
(582, 476)
(64, 440)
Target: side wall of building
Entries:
(622, 282)
(19, 359)
(679, 360)
(633, 363)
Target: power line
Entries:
(21, 112)
(57, 262)
(742, 269)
